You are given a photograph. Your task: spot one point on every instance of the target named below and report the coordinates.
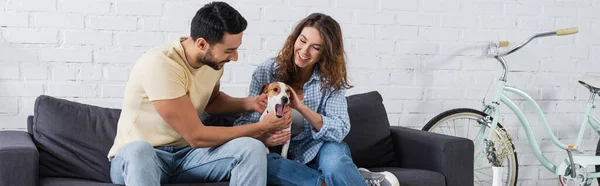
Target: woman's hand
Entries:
(295, 102)
(314, 118)
(276, 138)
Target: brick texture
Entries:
(423, 56)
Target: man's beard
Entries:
(207, 59)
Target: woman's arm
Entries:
(314, 118)
(333, 123)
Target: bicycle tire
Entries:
(459, 112)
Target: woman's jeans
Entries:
(241, 161)
(333, 164)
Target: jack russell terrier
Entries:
(278, 97)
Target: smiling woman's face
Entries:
(307, 48)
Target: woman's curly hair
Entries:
(332, 63)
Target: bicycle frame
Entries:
(501, 97)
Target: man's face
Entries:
(220, 53)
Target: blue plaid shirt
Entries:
(330, 104)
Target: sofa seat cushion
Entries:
(369, 139)
(54, 181)
(414, 177)
(73, 139)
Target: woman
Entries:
(312, 62)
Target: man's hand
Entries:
(258, 103)
(273, 123)
(276, 138)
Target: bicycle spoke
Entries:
(489, 175)
(468, 124)
(479, 180)
(468, 128)
(448, 132)
(454, 127)
(480, 156)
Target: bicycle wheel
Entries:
(462, 122)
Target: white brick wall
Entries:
(423, 56)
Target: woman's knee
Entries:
(334, 157)
(331, 147)
(273, 156)
(335, 166)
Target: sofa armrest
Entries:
(449, 155)
(18, 159)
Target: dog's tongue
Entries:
(279, 110)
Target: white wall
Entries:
(424, 56)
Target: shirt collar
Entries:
(316, 75)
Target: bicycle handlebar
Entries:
(559, 32)
(567, 31)
(499, 55)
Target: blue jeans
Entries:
(241, 161)
(333, 164)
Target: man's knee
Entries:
(136, 149)
(249, 145)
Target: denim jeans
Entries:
(333, 164)
(241, 161)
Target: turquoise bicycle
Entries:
(483, 125)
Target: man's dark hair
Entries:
(214, 19)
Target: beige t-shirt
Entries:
(161, 73)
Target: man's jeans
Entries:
(242, 161)
(333, 164)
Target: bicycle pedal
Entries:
(571, 148)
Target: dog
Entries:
(278, 97)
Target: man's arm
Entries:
(221, 103)
(163, 82)
(180, 114)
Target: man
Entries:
(160, 138)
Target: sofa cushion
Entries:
(369, 139)
(73, 139)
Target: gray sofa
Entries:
(66, 144)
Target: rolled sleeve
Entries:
(336, 122)
(163, 79)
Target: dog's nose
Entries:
(284, 100)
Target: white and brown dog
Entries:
(278, 97)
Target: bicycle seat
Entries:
(591, 82)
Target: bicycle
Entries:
(486, 125)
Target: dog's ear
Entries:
(263, 89)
